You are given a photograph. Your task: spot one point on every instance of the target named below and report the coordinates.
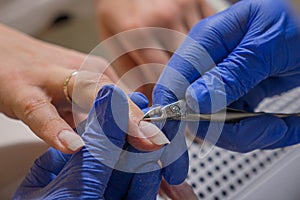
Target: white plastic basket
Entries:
(268, 174)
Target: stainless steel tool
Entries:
(180, 111)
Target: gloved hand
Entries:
(255, 45)
(87, 173)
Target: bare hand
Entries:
(32, 74)
(116, 16)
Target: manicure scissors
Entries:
(180, 111)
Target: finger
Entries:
(137, 175)
(143, 136)
(139, 99)
(178, 192)
(145, 185)
(225, 84)
(151, 137)
(124, 62)
(242, 136)
(41, 173)
(291, 135)
(118, 185)
(193, 15)
(87, 173)
(204, 47)
(33, 107)
(175, 156)
(84, 88)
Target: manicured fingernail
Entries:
(157, 137)
(71, 140)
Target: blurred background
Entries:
(221, 175)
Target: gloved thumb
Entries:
(139, 99)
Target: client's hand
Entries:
(102, 169)
(116, 16)
(32, 74)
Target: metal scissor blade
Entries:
(152, 114)
(171, 111)
(179, 111)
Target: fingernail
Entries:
(157, 137)
(71, 140)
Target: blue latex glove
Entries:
(143, 184)
(255, 45)
(89, 174)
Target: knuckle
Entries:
(47, 127)
(32, 104)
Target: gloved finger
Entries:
(87, 173)
(144, 186)
(139, 99)
(118, 185)
(204, 47)
(177, 192)
(180, 165)
(43, 119)
(242, 136)
(136, 176)
(41, 173)
(291, 135)
(225, 83)
(175, 156)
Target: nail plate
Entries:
(71, 140)
(157, 136)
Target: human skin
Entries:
(32, 74)
(116, 16)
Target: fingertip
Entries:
(139, 99)
(146, 136)
(181, 165)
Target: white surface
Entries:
(31, 16)
(14, 131)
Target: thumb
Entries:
(209, 42)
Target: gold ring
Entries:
(65, 86)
